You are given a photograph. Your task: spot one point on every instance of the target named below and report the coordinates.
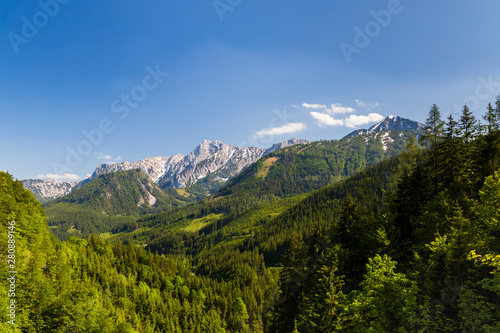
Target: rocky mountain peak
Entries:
(211, 163)
(390, 123)
(48, 189)
(394, 122)
(206, 148)
(286, 143)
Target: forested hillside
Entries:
(108, 201)
(409, 244)
(115, 202)
(98, 286)
(428, 262)
(278, 176)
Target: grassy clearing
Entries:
(266, 165)
(235, 232)
(182, 192)
(197, 224)
(72, 230)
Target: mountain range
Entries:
(239, 181)
(210, 165)
(48, 189)
(390, 123)
(207, 168)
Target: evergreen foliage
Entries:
(110, 202)
(437, 268)
(408, 244)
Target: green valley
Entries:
(330, 236)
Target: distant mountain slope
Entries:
(48, 189)
(209, 165)
(212, 163)
(390, 123)
(109, 200)
(282, 174)
(303, 168)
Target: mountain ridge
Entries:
(390, 123)
(210, 157)
(48, 189)
(211, 164)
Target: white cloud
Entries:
(338, 108)
(103, 156)
(367, 106)
(107, 157)
(355, 121)
(314, 106)
(328, 116)
(323, 119)
(286, 129)
(66, 176)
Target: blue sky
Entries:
(84, 83)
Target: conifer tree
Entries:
(467, 125)
(497, 109)
(491, 118)
(449, 152)
(434, 127)
(349, 230)
(451, 128)
(292, 278)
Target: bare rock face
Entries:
(390, 123)
(212, 163)
(213, 158)
(396, 123)
(154, 167)
(48, 189)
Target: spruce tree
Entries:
(348, 229)
(451, 128)
(497, 110)
(467, 124)
(293, 275)
(449, 154)
(434, 135)
(491, 118)
(434, 127)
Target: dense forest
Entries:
(94, 285)
(276, 181)
(110, 200)
(427, 262)
(110, 204)
(408, 243)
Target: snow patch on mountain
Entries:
(390, 123)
